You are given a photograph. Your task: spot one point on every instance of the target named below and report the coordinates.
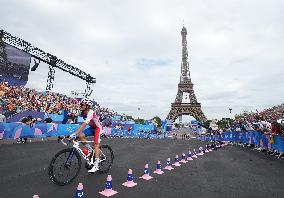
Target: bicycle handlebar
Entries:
(62, 138)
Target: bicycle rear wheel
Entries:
(106, 157)
(64, 166)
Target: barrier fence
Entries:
(41, 130)
(257, 138)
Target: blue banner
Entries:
(19, 130)
(16, 130)
(256, 138)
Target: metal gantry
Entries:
(50, 59)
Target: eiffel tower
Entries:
(179, 108)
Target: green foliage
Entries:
(221, 124)
(244, 114)
(157, 120)
(224, 123)
(129, 118)
(207, 123)
(139, 121)
(177, 125)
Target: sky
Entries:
(133, 49)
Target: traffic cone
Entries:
(194, 154)
(203, 150)
(206, 149)
(129, 183)
(169, 167)
(158, 169)
(189, 158)
(146, 175)
(35, 196)
(210, 149)
(183, 160)
(79, 191)
(108, 190)
(176, 161)
(200, 152)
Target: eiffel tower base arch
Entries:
(193, 109)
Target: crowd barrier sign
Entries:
(16, 130)
(257, 138)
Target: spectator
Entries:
(2, 117)
(48, 120)
(15, 99)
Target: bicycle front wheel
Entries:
(64, 166)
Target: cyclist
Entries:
(95, 129)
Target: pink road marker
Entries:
(35, 196)
(189, 158)
(146, 175)
(158, 169)
(169, 167)
(183, 160)
(176, 161)
(108, 190)
(129, 183)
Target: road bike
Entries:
(66, 164)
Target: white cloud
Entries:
(235, 50)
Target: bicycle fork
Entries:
(69, 158)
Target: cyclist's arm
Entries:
(81, 128)
(85, 123)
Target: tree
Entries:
(207, 123)
(157, 120)
(129, 117)
(139, 121)
(176, 125)
(244, 114)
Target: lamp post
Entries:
(138, 111)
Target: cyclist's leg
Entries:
(97, 150)
(82, 136)
(97, 139)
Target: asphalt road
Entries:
(227, 172)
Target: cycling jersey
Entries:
(92, 119)
(95, 126)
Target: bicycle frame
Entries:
(79, 150)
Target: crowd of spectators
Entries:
(20, 98)
(272, 127)
(15, 99)
(268, 122)
(274, 113)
